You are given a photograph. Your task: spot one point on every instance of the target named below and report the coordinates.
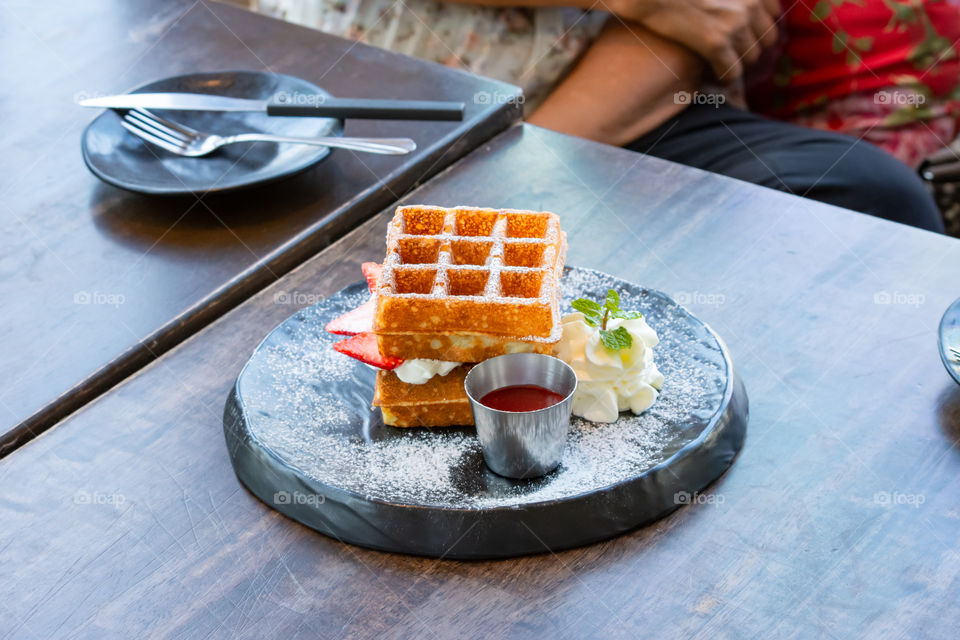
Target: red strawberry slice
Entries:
(359, 320)
(372, 271)
(363, 347)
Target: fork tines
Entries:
(171, 136)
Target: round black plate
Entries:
(302, 437)
(119, 158)
(950, 340)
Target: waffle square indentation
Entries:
(469, 252)
(414, 280)
(475, 222)
(419, 250)
(523, 254)
(467, 282)
(527, 224)
(423, 221)
(521, 284)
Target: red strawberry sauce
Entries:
(523, 397)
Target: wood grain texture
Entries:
(838, 520)
(174, 264)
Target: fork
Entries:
(955, 352)
(184, 141)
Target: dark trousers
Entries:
(824, 166)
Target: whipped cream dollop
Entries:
(419, 370)
(609, 382)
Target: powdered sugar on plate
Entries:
(310, 407)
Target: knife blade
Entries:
(302, 105)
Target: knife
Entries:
(310, 105)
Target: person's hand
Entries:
(726, 33)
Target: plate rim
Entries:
(951, 368)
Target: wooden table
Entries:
(96, 281)
(839, 519)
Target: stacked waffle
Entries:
(460, 285)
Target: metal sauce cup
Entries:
(522, 444)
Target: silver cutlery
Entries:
(184, 141)
(285, 104)
(955, 352)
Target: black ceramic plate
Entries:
(121, 159)
(950, 340)
(302, 437)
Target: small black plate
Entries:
(119, 158)
(303, 438)
(950, 339)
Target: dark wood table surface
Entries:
(175, 264)
(839, 519)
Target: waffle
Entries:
(471, 271)
(439, 402)
(463, 285)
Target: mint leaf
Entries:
(613, 300)
(597, 315)
(592, 312)
(617, 339)
(587, 306)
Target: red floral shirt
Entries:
(884, 70)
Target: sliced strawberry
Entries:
(359, 320)
(371, 271)
(363, 347)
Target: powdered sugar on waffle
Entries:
(310, 406)
(501, 258)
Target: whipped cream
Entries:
(419, 370)
(609, 382)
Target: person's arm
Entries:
(726, 33)
(626, 84)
